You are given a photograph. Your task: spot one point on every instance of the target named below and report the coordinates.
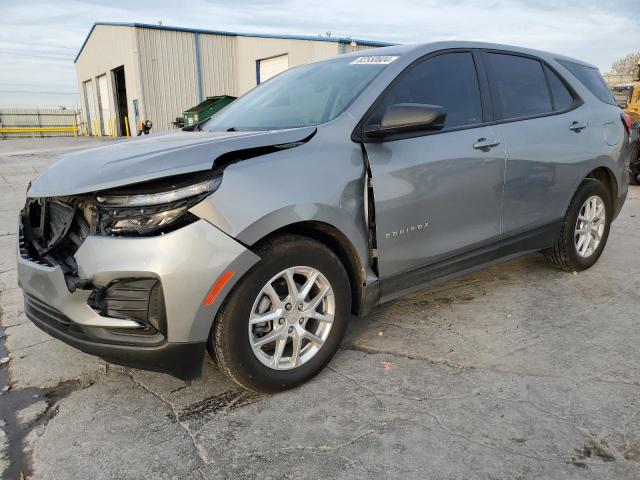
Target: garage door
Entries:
(269, 67)
(105, 105)
(90, 107)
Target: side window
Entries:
(562, 98)
(590, 77)
(449, 80)
(520, 85)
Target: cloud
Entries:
(39, 39)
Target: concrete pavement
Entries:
(517, 371)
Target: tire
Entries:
(564, 254)
(634, 164)
(232, 335)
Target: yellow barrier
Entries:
(36, 129)
(126, 126)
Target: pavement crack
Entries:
(32, 345)
(200, 450)
(491, 446)
(576, 382)
(358, 384)
(314, 448)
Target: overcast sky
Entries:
(39, 39)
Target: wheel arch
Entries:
(334, 239)
(603, 174)
(606, 176)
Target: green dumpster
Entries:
(205, 109)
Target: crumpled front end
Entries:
(139, 300)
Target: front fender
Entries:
(280, 218)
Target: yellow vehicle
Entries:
(627, 97)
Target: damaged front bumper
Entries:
(142, 299)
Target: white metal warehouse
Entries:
(150, 72)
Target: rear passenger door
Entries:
(546, 132)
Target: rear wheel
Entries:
(585, 229)
(286, 318)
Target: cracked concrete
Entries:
(518, 371)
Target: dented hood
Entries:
(149, 158)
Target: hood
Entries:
(150, 158)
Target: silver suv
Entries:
(322, 193)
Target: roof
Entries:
(419, 49)
(367, 43)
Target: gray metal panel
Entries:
(218, 60)
(168, 72)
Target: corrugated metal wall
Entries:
(357, 47)
(161, 68)
(218, 61)
(38, 118)
(168, 73)
(107, 48)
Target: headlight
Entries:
(126, 213)
(140, 200)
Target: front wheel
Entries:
(585, 228)
(286, 318)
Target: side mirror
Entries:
(407, 117)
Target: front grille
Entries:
(40, 312)
(46, 312)
(25, 251)
(44, 315)
(52, 230)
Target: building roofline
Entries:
(366, 43)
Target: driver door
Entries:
(437, 194)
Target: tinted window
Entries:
(562, 98)
(590, 78)
(449, 81)
(520, 85)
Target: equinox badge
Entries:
(407, 230)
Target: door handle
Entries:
(485, 145)
(578, 126)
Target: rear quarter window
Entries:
(590, 77)
(560, 94)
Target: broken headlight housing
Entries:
(152, 209)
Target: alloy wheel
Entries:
(590, 226)
(291, 318)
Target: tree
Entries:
(626, 65)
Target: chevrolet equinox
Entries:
(323, 192)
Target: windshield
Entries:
(307, 95)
